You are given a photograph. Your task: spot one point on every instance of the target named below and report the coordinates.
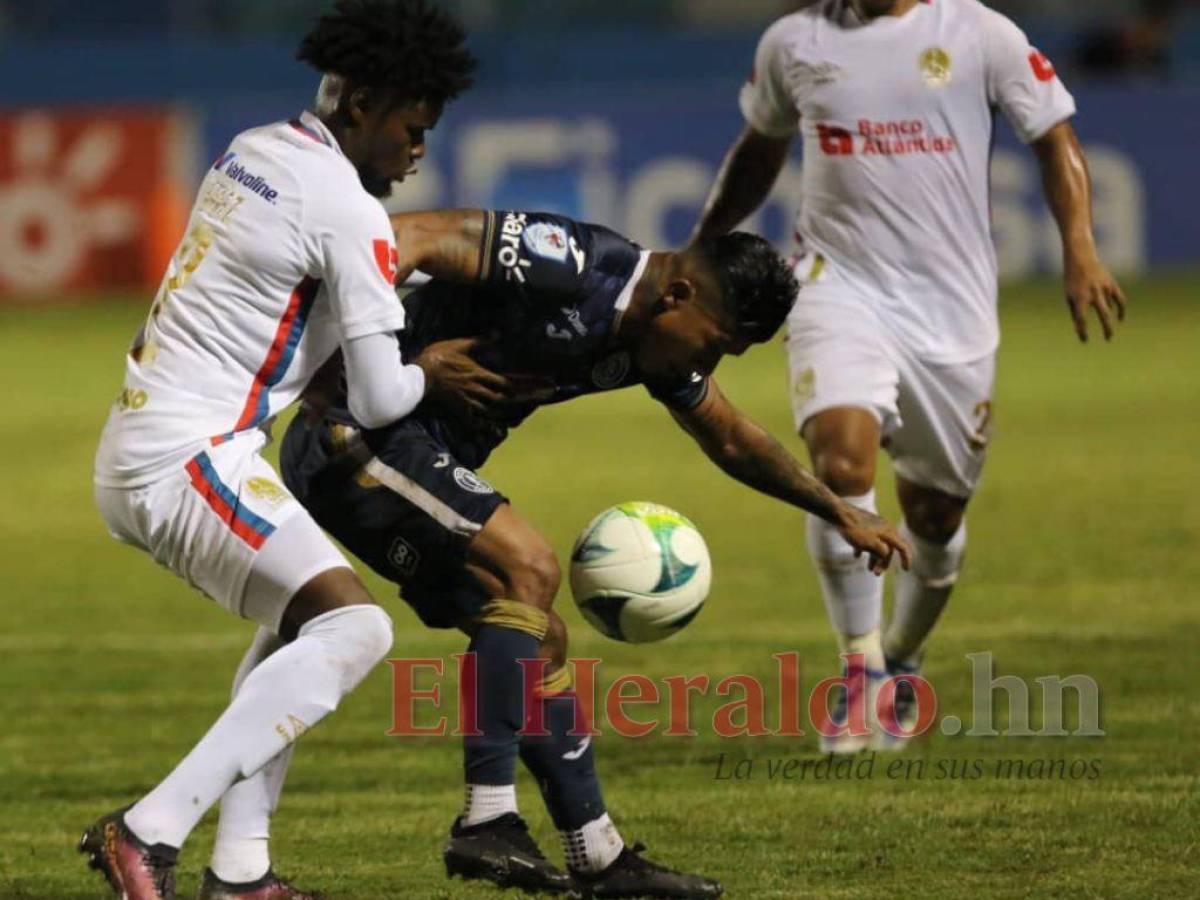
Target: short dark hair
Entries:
(757, 286)
(406, 47)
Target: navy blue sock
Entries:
(491, 758)
(563, 764)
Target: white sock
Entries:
(922, 593)
(593, 847)
(870, 645)
(282, 698)
(853, 596)
(488, 801)
(241, 852)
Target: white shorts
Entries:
(934, 419)
(226, 525)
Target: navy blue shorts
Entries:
(403, 505)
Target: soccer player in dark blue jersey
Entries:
(567, 309)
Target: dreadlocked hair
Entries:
(757, 286)
(408, 48)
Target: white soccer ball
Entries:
(640, 572)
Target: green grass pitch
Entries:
(1083, 559)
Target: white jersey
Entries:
(285, 256)
(897, 117)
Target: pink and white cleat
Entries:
(269, 887)
(135, 870)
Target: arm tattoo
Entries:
(759, 461)
(745, 451)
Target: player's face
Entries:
(685, 338)
(393, 143)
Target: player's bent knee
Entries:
(333, 589)
(362, 635)
(936, 526)
(845, 475)
(376, 634)
(931, 515)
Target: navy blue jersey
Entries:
(549, 293)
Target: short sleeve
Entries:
(356, 255)
(682, 394)
(765, 100)
(542, 253)
(1022, 82)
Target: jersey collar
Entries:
(314, 129)
(626, 295)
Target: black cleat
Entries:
(501, 851)
(632, 875)
(134, 870)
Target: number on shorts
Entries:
(983, 426)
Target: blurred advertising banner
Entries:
(642, 159)
(91, 200)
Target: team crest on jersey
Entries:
(547, 240)
(266, 490)
(611, 371)
(935, 67)
(469, 481)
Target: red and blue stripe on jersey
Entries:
(279, 357)
(251, 528)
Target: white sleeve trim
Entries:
(759, 121)
(1054, 117)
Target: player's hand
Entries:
(1089, 285)
(875, 536)
(455, 381)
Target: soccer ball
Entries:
(640, 572)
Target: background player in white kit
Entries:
(288, 256)
(893, 338)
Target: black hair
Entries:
(408, 48)
(757, 286)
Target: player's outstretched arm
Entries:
(744, 450)
(446, 243)
(1068, 188)
(746, 177)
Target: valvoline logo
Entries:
(227, 165)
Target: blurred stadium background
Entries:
(1083, 537)
(613, 112)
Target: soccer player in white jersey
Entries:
(892, 341)
(288, 257)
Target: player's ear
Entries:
(678, 290)
(358, 104)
